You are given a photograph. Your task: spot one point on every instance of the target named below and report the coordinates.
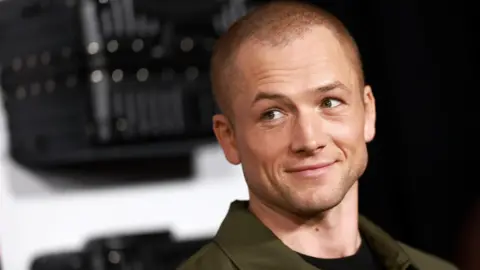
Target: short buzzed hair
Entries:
(273, 24)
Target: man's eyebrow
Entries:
(277, 96)
(269, 96)
(331, 86)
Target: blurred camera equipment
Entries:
(150, 251)
(95, 80)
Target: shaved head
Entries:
(275, 24)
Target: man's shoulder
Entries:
(208, 257)
(425, 260)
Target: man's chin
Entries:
(314, 207)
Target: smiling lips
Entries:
(314, 170)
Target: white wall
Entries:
(38, 218)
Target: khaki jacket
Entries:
(244, 243)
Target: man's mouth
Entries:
(311, 170)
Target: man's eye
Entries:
(330, 103)
(272, 115)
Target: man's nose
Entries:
(308, 134)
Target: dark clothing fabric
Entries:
(243, 242)
(364, 259)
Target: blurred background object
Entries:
(468, 248)
(100, 80)
(146, 251)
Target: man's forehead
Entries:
(274, 26)
(317, 39)
(318, 52)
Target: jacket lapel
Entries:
(390, 252)
(251, 245)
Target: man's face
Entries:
(301, 123)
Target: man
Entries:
(297, 117)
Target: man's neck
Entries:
(334, 234)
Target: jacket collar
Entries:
(251, 245)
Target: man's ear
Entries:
(370, 114)
(226, 138)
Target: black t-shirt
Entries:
(364, 259)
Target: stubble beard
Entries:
(315, 201)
